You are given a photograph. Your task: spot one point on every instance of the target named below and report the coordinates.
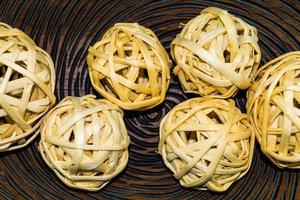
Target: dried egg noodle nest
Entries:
(27, 81)
(85, 142)
(207, 143)
(130, 67)
(216, 54)
(273, 106)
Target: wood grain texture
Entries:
(65, 29)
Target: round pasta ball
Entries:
(130, 67)
(273, 105)
(207, 143)
(216, 54)
(27, 81)
(85, 142)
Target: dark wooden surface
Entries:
(67, 28)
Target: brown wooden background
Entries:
(66, 28)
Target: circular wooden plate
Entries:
(67, 28)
